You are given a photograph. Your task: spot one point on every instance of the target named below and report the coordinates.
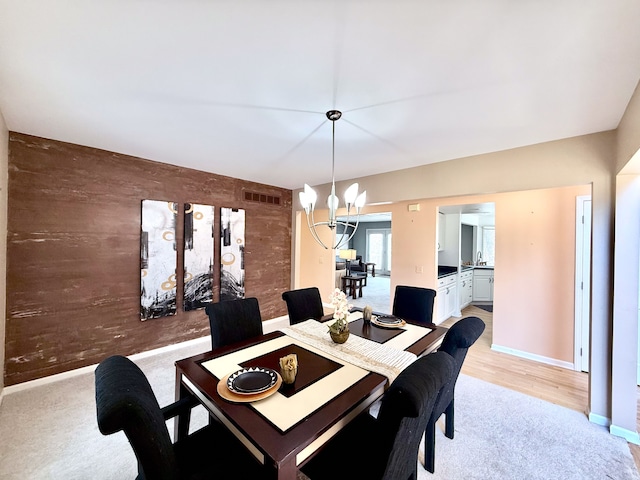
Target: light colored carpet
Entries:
(376, 294)
(50, 432)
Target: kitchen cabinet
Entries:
(483, 285)
(446, 297)
(466, 288)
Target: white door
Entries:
(379, 249)
(583, 282)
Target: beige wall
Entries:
(534, 285)
(626, 274)
(628, 139)
(4, 172)
(579, 161)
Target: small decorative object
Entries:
(366, 315)
(339, 329)
(289, 368)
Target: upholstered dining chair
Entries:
(456, 343)
(303, 304)
(126, 402)
(386, 447)
(414, 303)
(234, 320)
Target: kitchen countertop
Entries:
(445, 270)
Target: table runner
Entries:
(372, 356)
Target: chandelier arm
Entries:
(344, 224)
(312, 229)
(352, 233)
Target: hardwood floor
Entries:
(553, 384)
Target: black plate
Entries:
(389, 319)
(252, 380)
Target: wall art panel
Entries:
(158, 259)
(198, 255)
(232, 225)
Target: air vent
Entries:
(261, 198)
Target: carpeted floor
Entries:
(50, 432)
(376, 294)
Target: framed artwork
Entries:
(198, 255)
(158, 259)
(232, 225)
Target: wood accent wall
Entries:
(73, 253)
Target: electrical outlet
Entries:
(419, 269)
(321, 260)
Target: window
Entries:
(489, 245)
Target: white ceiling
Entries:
(240, 88)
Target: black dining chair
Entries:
(456, 343)
(125, 402)
(414, 303)
(386, 447)
(234, 320)
(303, 304)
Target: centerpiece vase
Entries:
(339, 337)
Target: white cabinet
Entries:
(441, 231)
(446, 297)
(466, 288)
(483, 285)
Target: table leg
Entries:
(360, 289)
(181, 421)
(287, 470)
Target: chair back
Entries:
(303, 304)
(404, 412)
(234, 320)
(125, 401)
(456, 343)
(414, 303)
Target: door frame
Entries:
(582, 296)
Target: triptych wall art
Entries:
(158, 256)
(198, 255)
(158, 259)
(231, 253)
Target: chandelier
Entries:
(352, 200)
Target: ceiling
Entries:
(240, 88)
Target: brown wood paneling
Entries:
(73, 253)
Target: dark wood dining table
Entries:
(283, 452)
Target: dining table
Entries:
(287, 425)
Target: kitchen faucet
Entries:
(478, 257)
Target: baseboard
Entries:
(90, 368)
(274, 324)
(628, 435)
(599, 420)
(531, 356)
